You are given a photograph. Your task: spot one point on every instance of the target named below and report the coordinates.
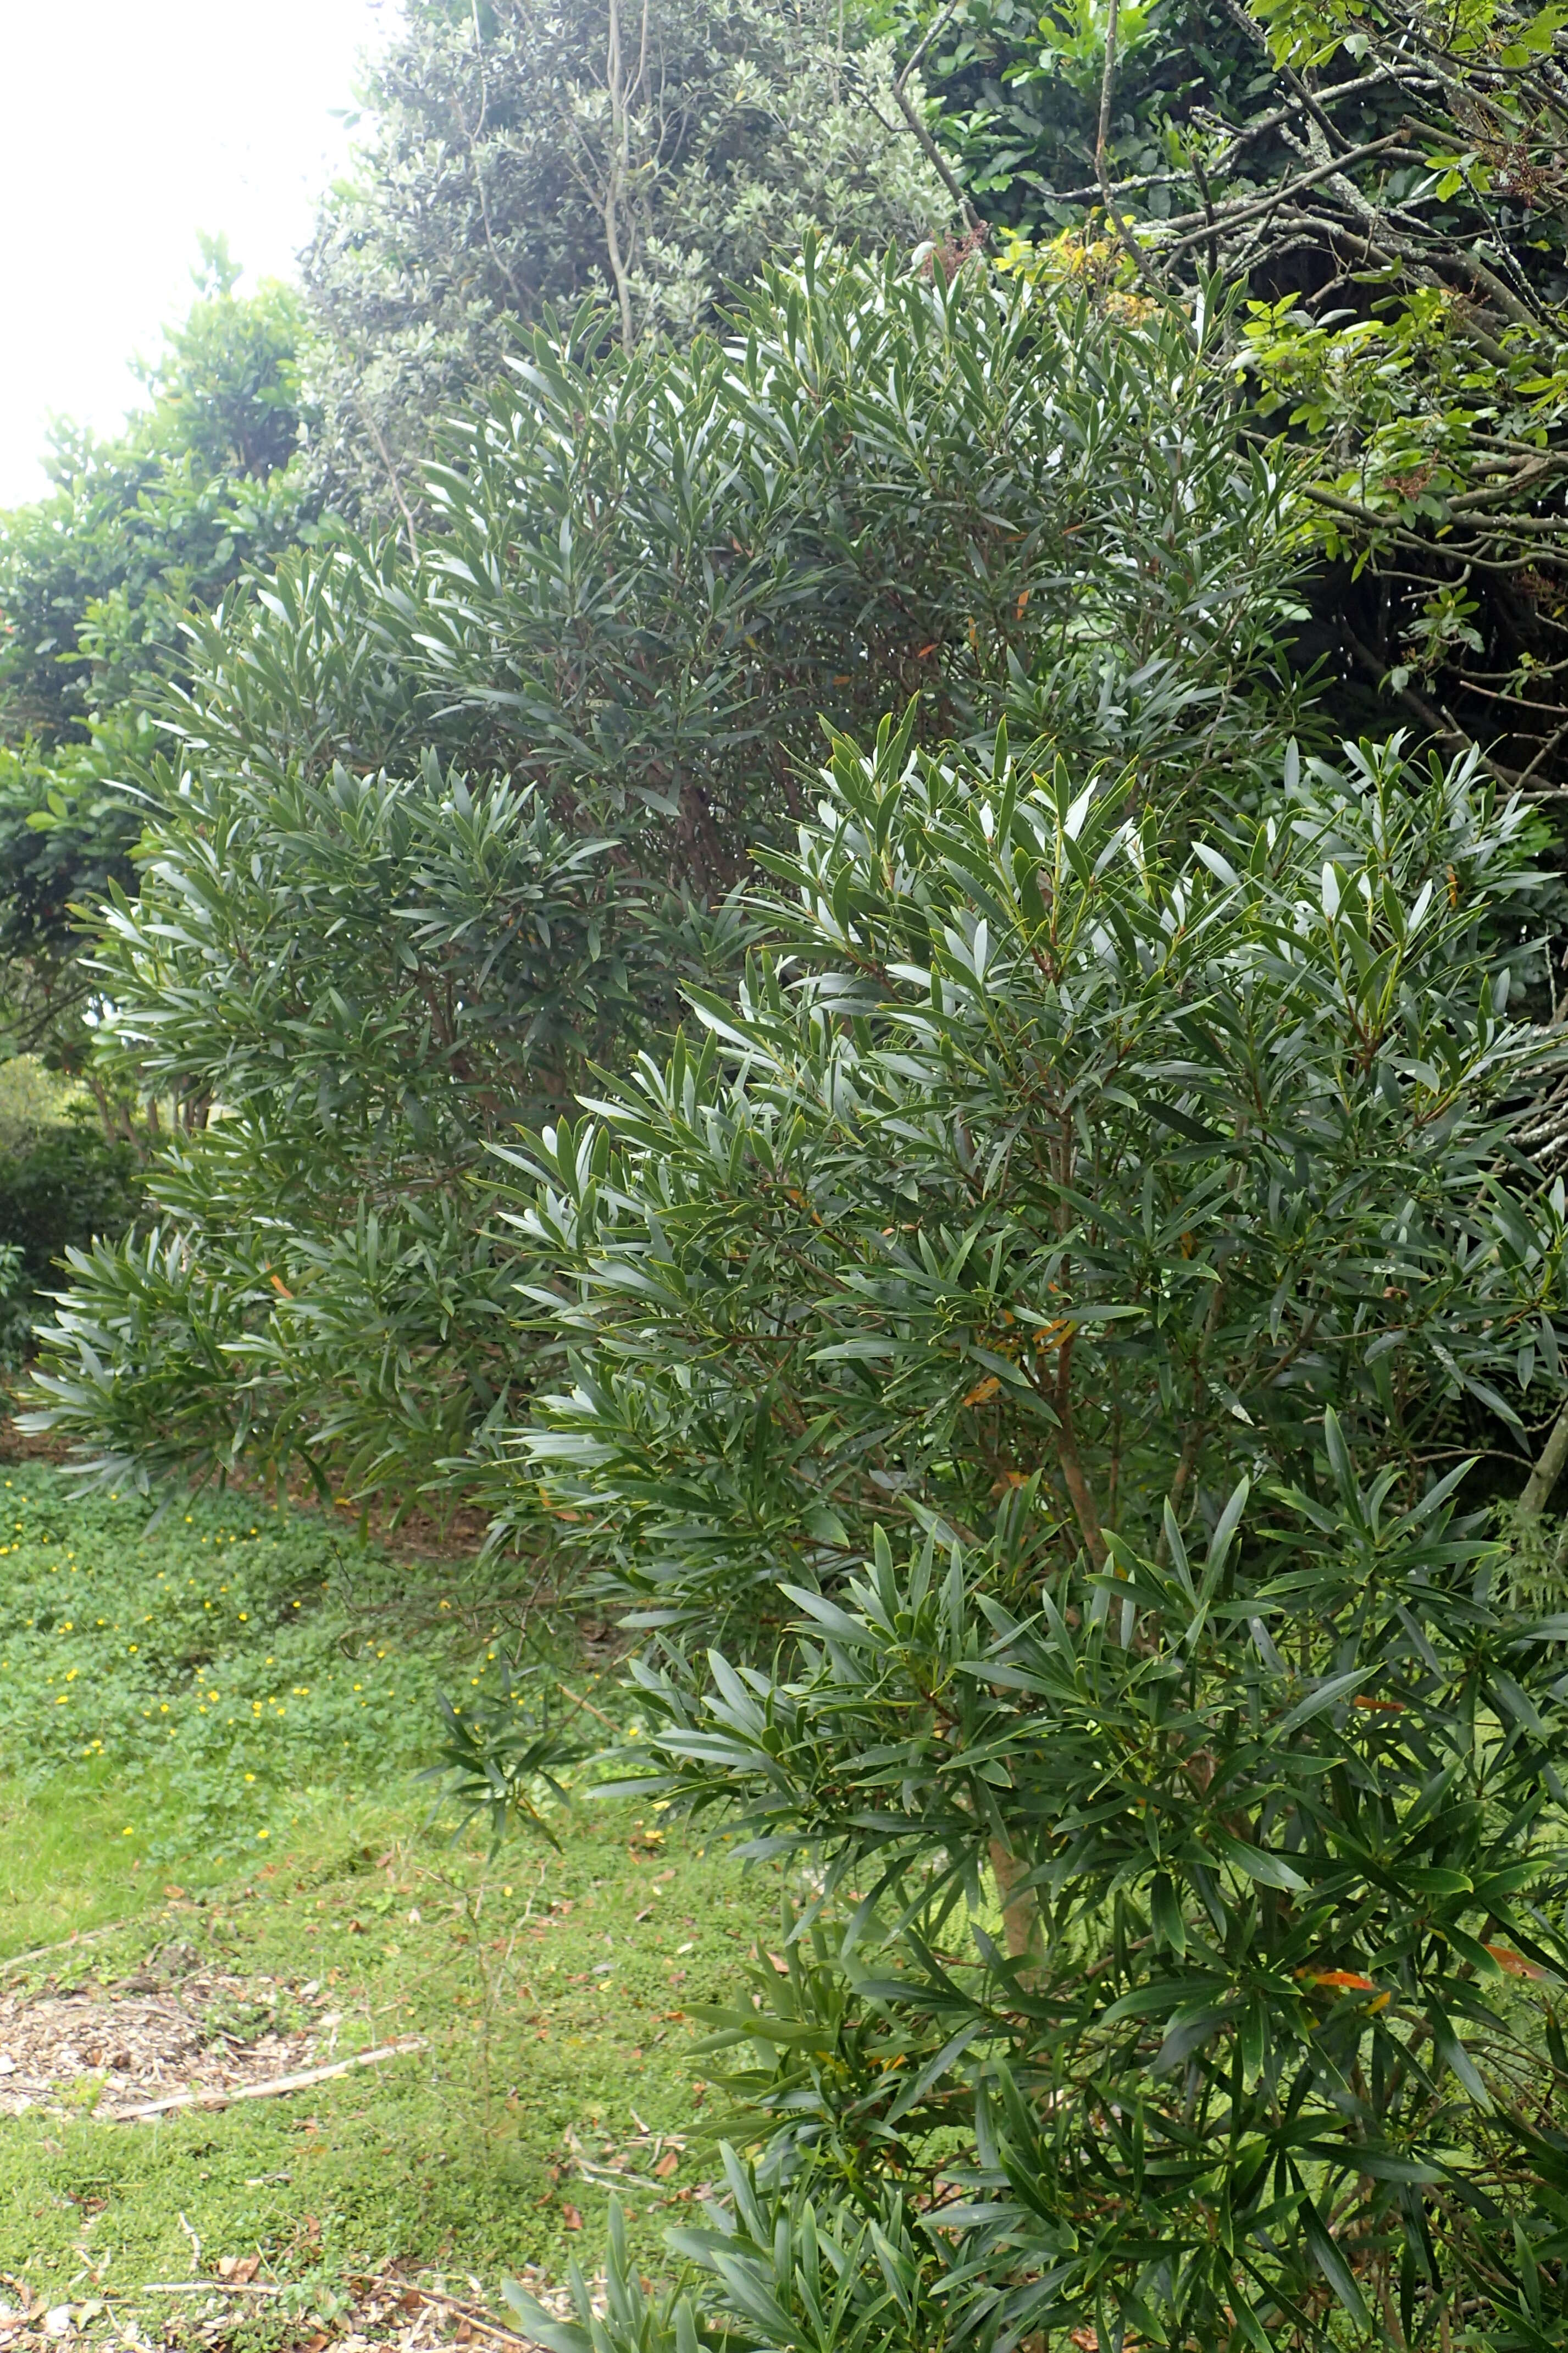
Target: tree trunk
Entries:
(1548, 1470)
(1020, 1905)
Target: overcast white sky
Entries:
(126, 126)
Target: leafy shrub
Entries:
(1054, 1288)
(375, 976)
(1047, 1157)
(653, 576)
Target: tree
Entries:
(94, 578)
(540, 153)
(1052, 1295)
(1387, 184)
(654, 574)
(97, 581)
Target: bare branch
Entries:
(929, 147)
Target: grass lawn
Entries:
(209, 1743)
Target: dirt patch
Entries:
(111, 2047)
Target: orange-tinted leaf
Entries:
(1514, 1963)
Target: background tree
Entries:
(97, 580)
(530, 153)
(1388, 186)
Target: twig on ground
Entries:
(81, 1936)
(208, 2287)
(274, 2085)
(475, 2318)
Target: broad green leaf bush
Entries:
(1385, 185)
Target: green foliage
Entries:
(1293, 1842)
(890, 484)
(15, 1323)
(1047, 1155)
(1058, 1283)
(510, 159)
(67, 834)
(96, 582)
(59, 1188)
(95, 577)
(980, 494)
(503, 1755)
(372, 976)
(1388, 187)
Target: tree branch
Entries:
(928, 145)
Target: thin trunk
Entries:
(1080, 1495)
(1021, 1929)
(1124, 237)
(928, 145)
(621, 94)
(1538, 1487)
(384, 454)
(1193, 1438)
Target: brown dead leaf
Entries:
(570, 2219)
(668, 2164)
(1514, 1963)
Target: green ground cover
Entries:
(210, 1739)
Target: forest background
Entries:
(1050, 1224)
